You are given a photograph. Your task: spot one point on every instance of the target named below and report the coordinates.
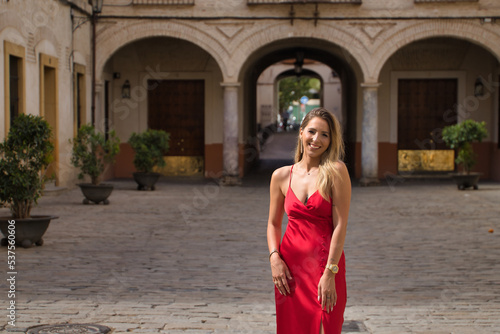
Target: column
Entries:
(98, 120)
(369, 139)
(230, 145)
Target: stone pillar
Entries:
(99, 106)
(369, 140)
(230, 146)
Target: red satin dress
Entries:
(305, 249)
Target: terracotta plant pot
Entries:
(465, 181)
(96, 193)
(146, 180)
(28, 231)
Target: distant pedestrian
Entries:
(308, 266)
(285, 116)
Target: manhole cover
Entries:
(68, 329)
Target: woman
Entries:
(308, 267)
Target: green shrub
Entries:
(92, 152)
(150, 146)
(24, 155)
(460, 136)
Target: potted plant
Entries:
(150, 146)
(460, 137)
(24, 155)
(92, 153)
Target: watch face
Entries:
(333, 268)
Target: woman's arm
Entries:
(276, 210)
(341, 199)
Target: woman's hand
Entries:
(326, 291)
(281, 274)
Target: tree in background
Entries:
(293, 88)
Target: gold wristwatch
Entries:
(333, 268)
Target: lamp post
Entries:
(96, 9)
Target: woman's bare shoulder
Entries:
(281, 174)
(341, 168)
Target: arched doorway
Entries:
(431, 84)
(172, 87)
(286, 92)
(317, 50)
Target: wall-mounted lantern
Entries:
(126, 90)
(97, 6)
(299, 62)
(479, 88)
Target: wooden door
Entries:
(178, 107)
(425, 107)
(48, 97)
(14, 87)
(423, 111)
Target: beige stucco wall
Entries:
(230, 41)
(46, 28)
(368, 8)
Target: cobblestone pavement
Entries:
(191, 257)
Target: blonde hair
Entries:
(333, 154)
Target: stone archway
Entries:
(429, 84)
(412, 32)
(230, 43)
(326, 53)
(173, 86)
(346, 43)
(268, 100)
(110, 38)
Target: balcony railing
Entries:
(276, 2)
(163, 2)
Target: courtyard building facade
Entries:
(206, 72)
